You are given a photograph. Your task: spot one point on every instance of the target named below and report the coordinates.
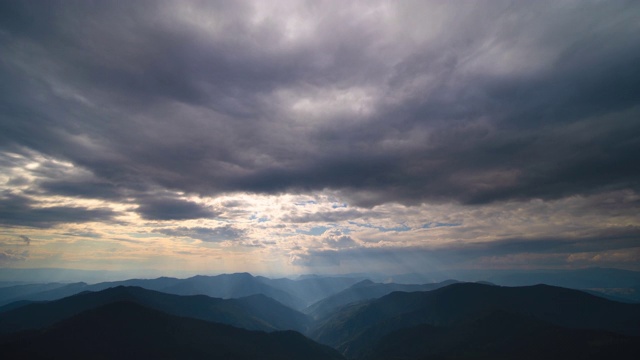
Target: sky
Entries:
(293, 137)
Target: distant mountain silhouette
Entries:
(13, 293)
(126, 330)
(296, 294)
(503, 335)
(617, 283)
(588, 278)
(311, 289)
(365, 290)
(224, 286)
(306, 293)
(356, 327)
(156, 284)
(628, 294)
(228, 286)
(257, 312)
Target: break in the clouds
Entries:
(186, 116)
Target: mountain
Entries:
(54, 291)
(157, 284)
(588, 278)
(356, 327)
(57, 293)
(625, 294)
(613, 296)
(125, 330)
(15, 305)
(231, 286)
(257, 312)
(58, 275)
(296, 294)
(364, 290)
(13, 293)
(611, 282)
(274, 314)
(503, 335)
(225, 286)
(311, 289)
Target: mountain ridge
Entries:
(127, 330)
(450, 306)
(246, 313)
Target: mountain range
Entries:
(296, 294)
(306, 292)
(354, 328)
(364, 290)
(127, 330)
(502, 335)
(256, 312)
(350, 317)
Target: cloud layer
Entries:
(148, 112)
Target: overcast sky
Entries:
(319, 136)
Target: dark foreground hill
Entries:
(503, 336)
(256, 312)
(356, 328)
(125, 330)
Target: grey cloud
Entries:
(18, 181)
(89, 234)
(216, 234)
(326, 216)
(84, 188)
(532, 253)
(22, 211)
(9, 256)
(610, 239)
(164, 208)
(540, 101)
(337, 240)
(26, 239)
(234, 203)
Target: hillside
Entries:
(125, 330)
(365, 290)
(354, 328)
(257, 312)
(503, 335)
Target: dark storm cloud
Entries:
(160, 208)
(626, 238)
(508, 100)
(84, 189)
(546, 251)
(217, 234)
(22, 211)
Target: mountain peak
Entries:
(363, 283)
